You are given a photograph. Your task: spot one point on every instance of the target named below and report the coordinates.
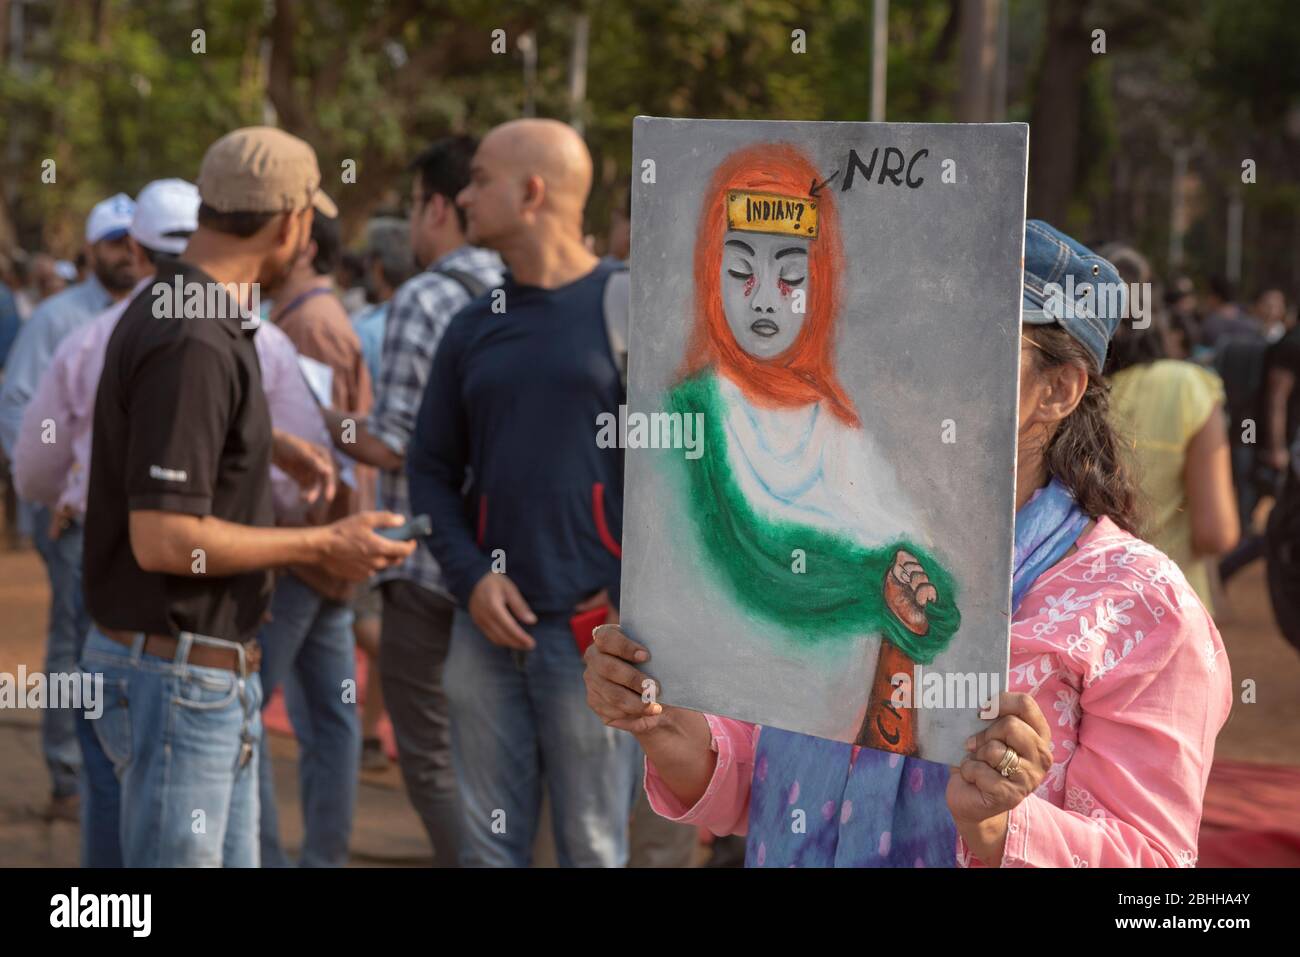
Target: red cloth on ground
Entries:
(1251, 817)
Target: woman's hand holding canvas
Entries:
(979, 795)
(621, 694)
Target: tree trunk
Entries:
(1054, 118)
(4, 33)
(280, 82)
(979, 61)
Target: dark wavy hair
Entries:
(1085, 453)
(1132, 346)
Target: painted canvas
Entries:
(821, 422)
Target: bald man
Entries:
(530, 548)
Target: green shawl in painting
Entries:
(838, 593)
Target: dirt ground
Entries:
(386, 831)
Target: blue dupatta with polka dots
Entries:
(811, 805)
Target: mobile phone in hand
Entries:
(416, 527)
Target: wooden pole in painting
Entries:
(879, 57)
(887, 727)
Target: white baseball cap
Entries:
(166, 206)
(110, 219)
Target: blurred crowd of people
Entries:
(1205, 392)
(346, 342)
(376, 353)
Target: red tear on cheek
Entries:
(783, 286)
(749, 285)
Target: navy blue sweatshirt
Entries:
(511, 405)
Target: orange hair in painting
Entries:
(805, 372)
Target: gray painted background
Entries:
(928, 330)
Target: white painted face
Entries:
(765, 292)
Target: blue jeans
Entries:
(101, 801)
(519, 720)
(69, 625)
(1243, 464)
(308, 647)
(67, 629)
(174, 733)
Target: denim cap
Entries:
(1068, 284)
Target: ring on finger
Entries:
(1010, 763)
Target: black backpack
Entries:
(467, 281)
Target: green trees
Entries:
(117, 92)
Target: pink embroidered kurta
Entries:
(1131, 675)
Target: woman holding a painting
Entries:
(1100, 749)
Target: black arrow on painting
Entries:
(816, 186)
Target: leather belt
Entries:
(202, 655)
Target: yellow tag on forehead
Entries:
(772, 213)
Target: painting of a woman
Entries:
(807, 523)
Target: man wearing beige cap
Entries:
(179, 537)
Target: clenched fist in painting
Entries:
(908, 590)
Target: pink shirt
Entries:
(56, 472)
(1131, 674)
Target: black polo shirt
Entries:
(181, 425)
